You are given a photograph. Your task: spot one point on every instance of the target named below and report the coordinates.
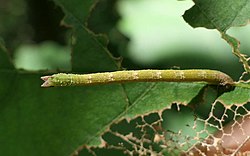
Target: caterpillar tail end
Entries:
(47, 82)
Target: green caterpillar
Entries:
(192, 75)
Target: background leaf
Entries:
(85, 44)
(218, 14)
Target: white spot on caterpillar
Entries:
(158, 74)
(89, 79)
(111, 77)
(71, 80)
(180, 75)
(135, 75)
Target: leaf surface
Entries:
(218, 14)
(239, 96)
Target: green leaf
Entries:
(239, 96)
(218, 14)
(54, 121)
(103, 19)
(76, 10)
(159, 96)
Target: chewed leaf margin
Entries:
(90, 47)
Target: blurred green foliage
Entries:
(14, 26)
(25, 21)
(43, 56)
